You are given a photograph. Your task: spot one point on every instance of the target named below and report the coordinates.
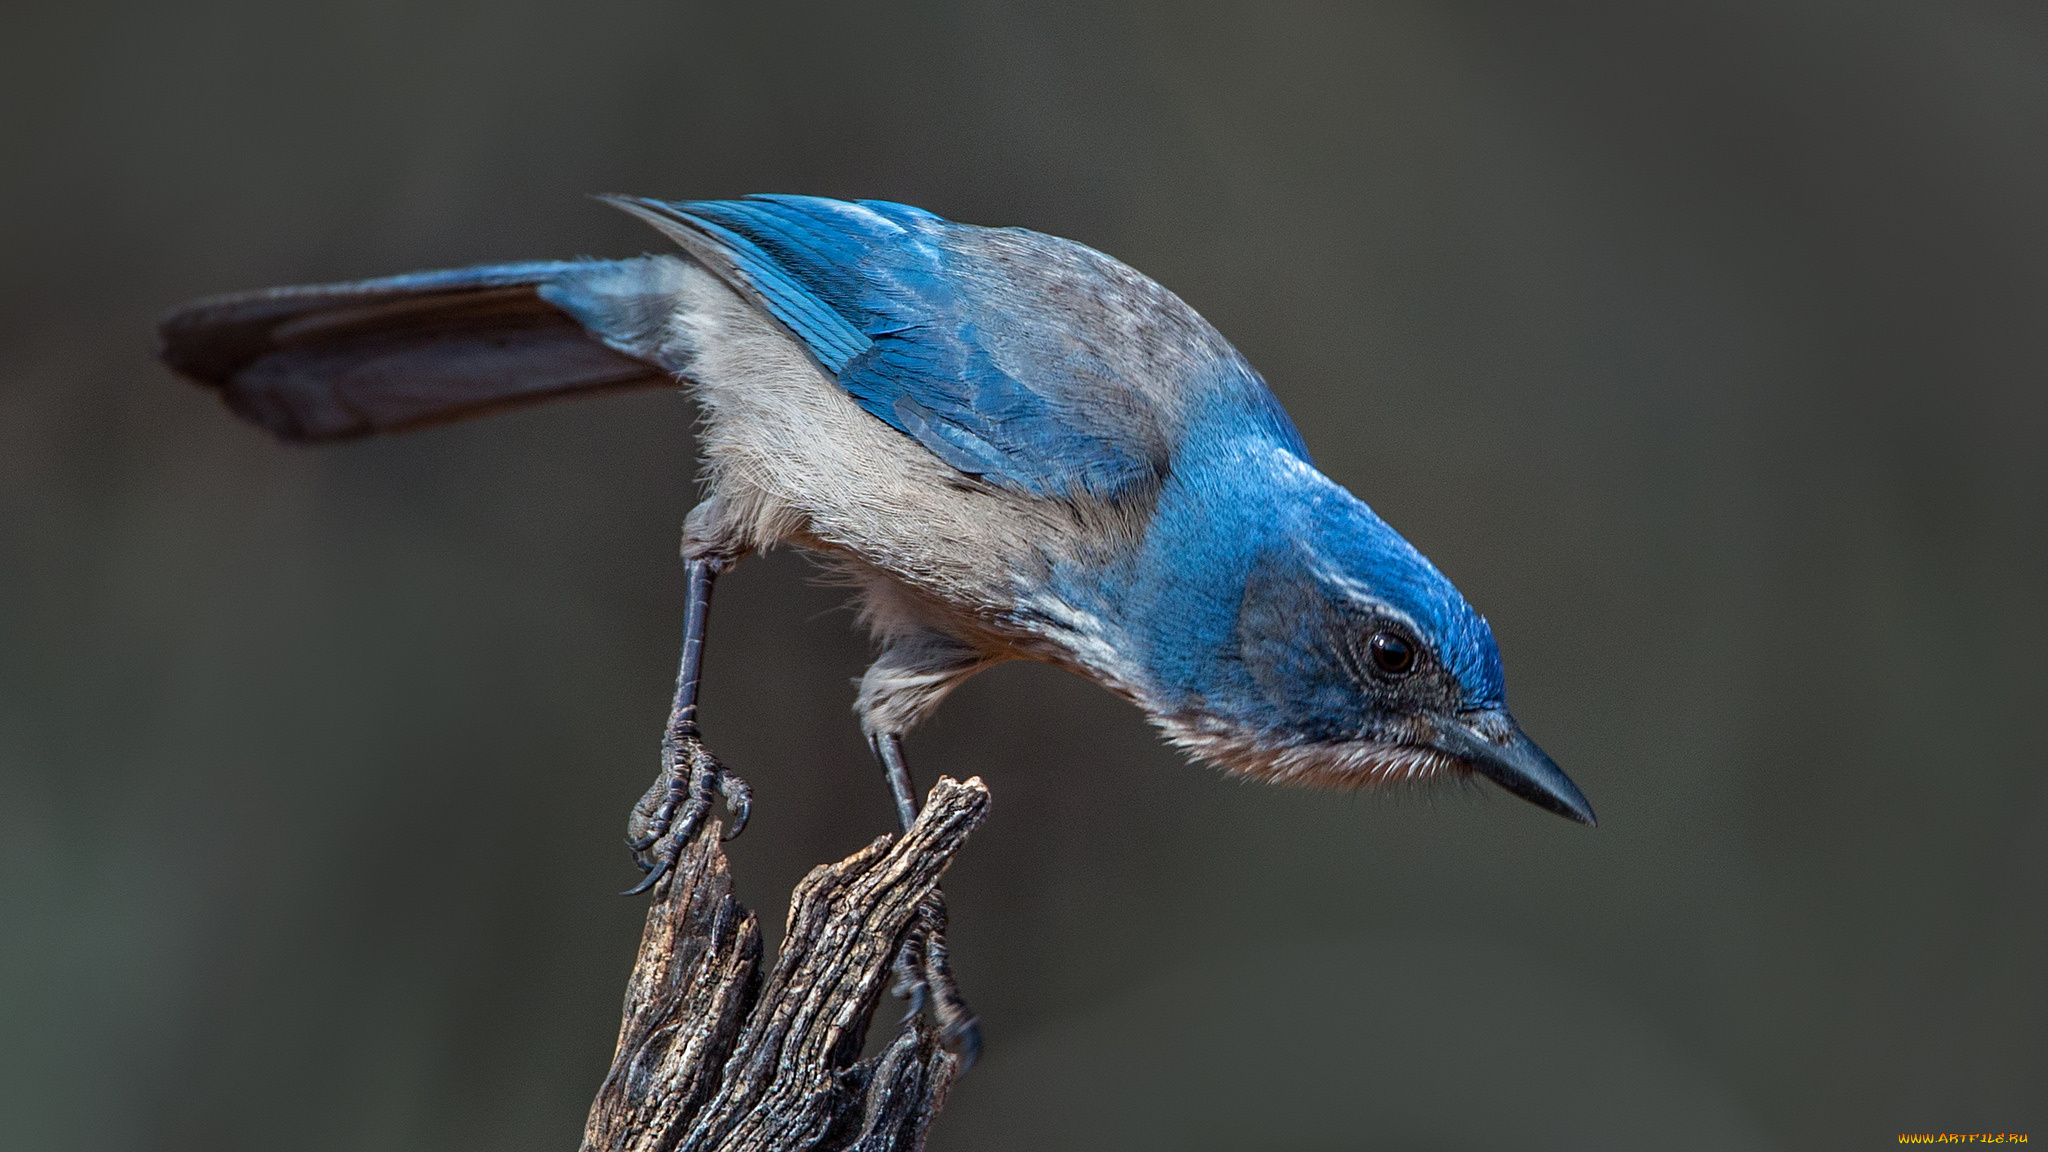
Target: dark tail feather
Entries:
(335, 361)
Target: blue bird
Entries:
(1015, 446)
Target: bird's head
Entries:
(1358, 663)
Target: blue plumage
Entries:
(1017, 448)
(915, 327)
(1046, 456)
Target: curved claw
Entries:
(655, 872)
(964, 1040)
(665, 860)
(916, 999)
(739, 800)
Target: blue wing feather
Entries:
(873, 290)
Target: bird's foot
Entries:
(924, 977)
(674, 809)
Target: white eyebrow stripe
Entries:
(1359, 593)
(1324, 573)
(1285, 463)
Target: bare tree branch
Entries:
(711, 1059)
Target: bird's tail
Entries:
(335, 361)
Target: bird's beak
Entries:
(1492, 744)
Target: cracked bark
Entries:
(712, 1058)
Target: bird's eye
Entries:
(1391, 653)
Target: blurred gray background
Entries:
(1701, 343)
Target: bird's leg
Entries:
(923, 974)
(675, 807)
(889, 750)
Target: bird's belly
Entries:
(789, 458)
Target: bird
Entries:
(1014, 447)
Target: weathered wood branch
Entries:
(712, 1059)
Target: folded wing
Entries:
(978, 358)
